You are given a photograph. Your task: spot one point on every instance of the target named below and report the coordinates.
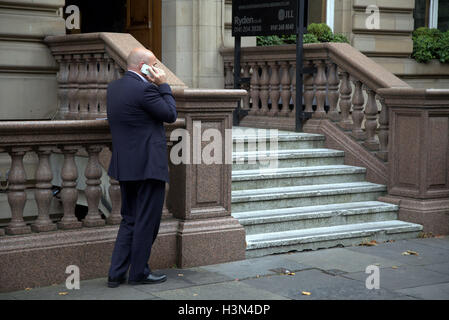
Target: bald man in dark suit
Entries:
(137, 106)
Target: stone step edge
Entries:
(327, 234)
(313, 212)
(316, 191)
(295, 172)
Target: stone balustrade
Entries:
(87, 63)
(70, 138)
(342, 88)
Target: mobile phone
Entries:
(145, 70)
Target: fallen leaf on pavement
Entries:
(27, 289)
(306, 293)
(394, 267)
(180, 275)
(369, 243)
(63, 293)
(410, 253)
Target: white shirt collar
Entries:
(139, 76)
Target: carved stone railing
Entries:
(87, 63)
(69, 138)
(400, 134)
(343, 89)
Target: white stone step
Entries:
(284, 219)
(300, 196)
(286, 158)
(295, 176)
(282, 140)
(326, 237)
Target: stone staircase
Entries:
(307, 200)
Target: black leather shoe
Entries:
(114, 283)
(151, 279)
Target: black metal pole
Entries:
(299, 65)
(237, 47)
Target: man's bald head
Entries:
(139, 56)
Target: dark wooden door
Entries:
(143, 21)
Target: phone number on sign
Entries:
(248, 29)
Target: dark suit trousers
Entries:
(142, 203)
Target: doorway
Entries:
(140, 18)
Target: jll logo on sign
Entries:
(263, 17)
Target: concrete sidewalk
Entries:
(337, 273)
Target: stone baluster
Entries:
(102, 81)
(274, 88)
(371, 112)
(293, 64)
(69, 192)
(115, 216)
(115, 196)
(246, 68)
(16, 192)
(63, 88)
(308, 89)
(357, 111)
(83, 87)
(229, 76)
(43, 193)
(332, 95)
(92, 86)
(2, 230)
(165, 211)
(93, 190)
(254, 89)
(320, 86)
(286, 89)
(383, 131)
(73, 86)
(345, 101)
(264, 81)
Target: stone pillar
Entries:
(207, 232)
(418, 156)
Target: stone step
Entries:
(286, 158)
(281, 140)
(276, 220)
(295, 176)
(327, 237)
(301, 196)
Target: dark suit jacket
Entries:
(136, 111)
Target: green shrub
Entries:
(338, 37)
(424, 31)
(310, 38)
(316, 32)
(424, 48)
(442, 45)
(321, 30)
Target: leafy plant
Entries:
(321, 30)
(316, 32)
(424, 48)
(443, 47)
(338, 37)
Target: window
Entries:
(432, 14)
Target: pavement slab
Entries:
(431, 292)
(251, 268)
(234, 290)
(320, 286)
(427, 254)
(402, 277)
(339, 260)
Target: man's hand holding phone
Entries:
(154, 74)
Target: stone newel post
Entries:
(200, 193)
(418, 156)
